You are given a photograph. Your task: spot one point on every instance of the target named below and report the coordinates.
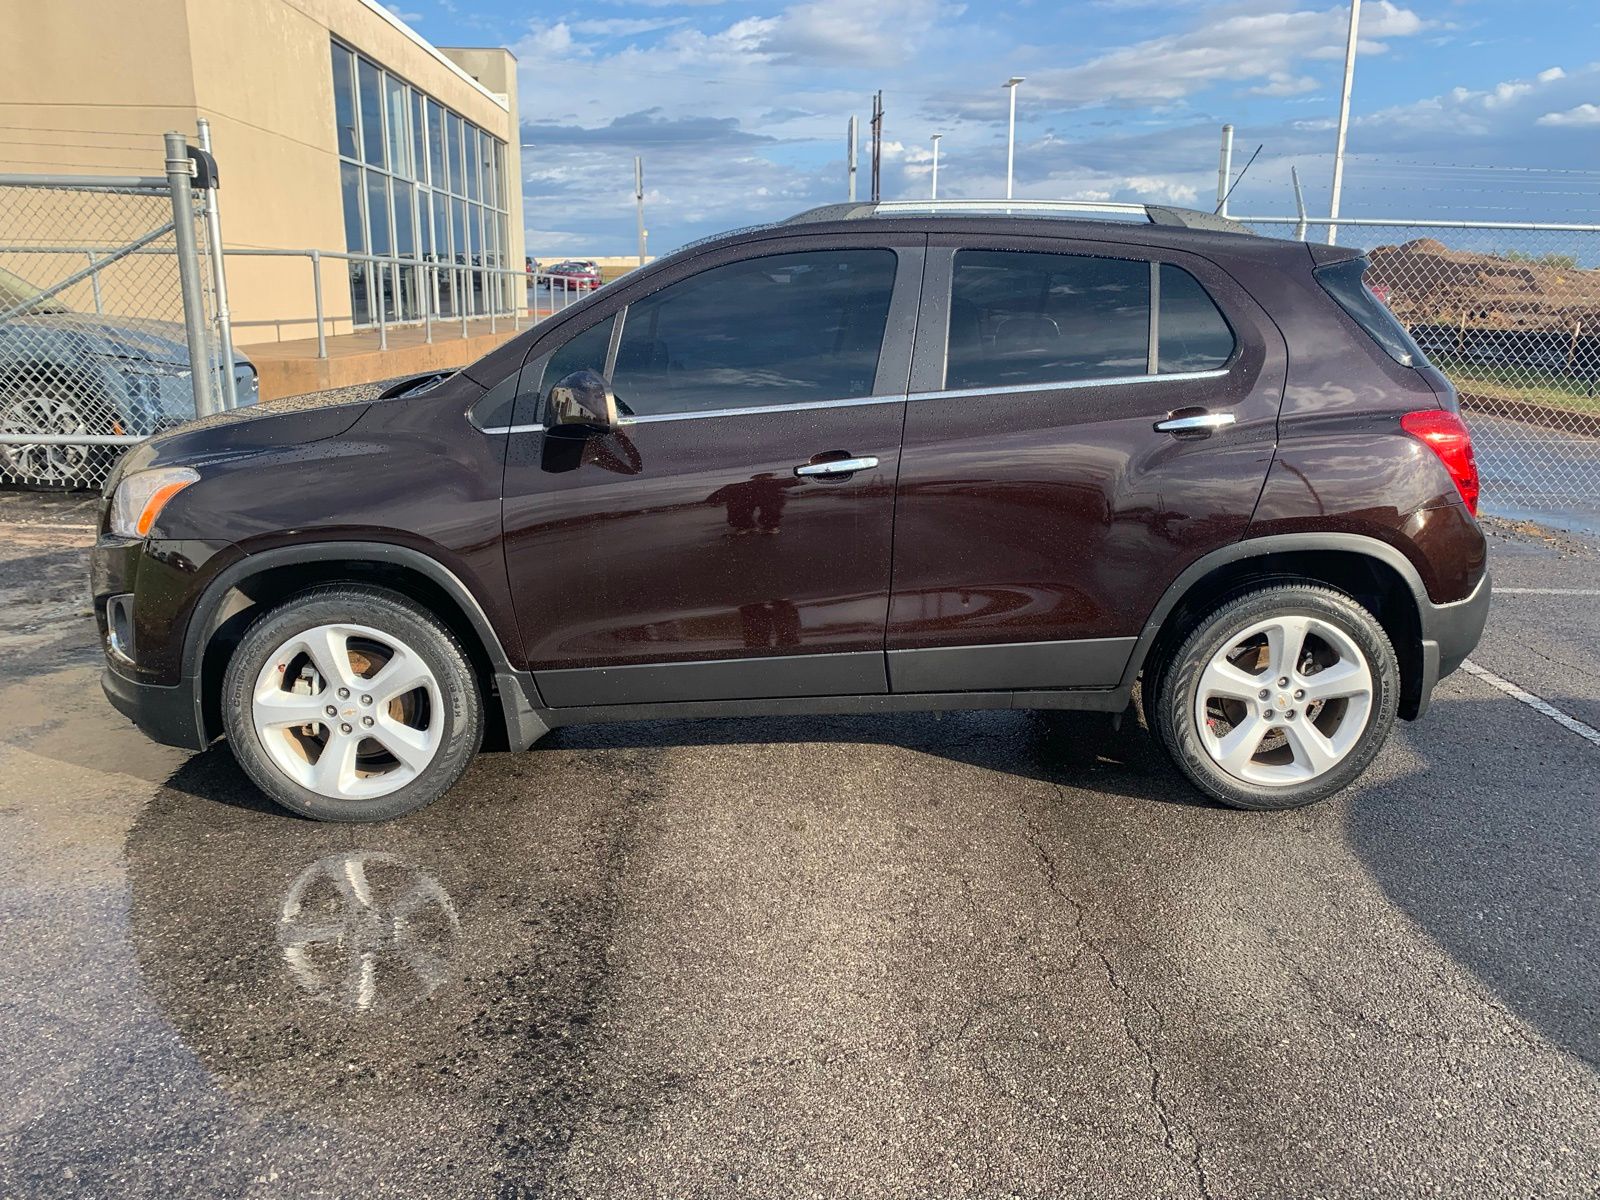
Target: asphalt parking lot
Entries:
(989, 954)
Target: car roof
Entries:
(1141, 225)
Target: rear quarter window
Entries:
(1343, 281)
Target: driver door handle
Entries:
(1202, 422)
(838, 466)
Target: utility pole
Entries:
(1344, 121)
(877, 146)
(638, 200)
(1224, 170)
(850, 158)
(935, 193)
(1011, 130)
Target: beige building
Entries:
(334, 125)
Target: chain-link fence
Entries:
(95, 349)
(1512, 315)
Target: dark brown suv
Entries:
(870, 459)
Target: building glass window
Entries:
(424, 185)
(344, 100)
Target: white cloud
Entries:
(547, 41)
(832, 31)
(1237, 45)
(1582, 114)
(616, 27)
(1280, 83)
(1507, 109)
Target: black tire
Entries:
(376, 608)
(43, 400)
(1171, 688)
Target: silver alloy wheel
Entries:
(348, 711)
(40, 412)
(1284, 701)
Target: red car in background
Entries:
(574, 275)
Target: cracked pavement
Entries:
(984, 954)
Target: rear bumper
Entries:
(1450, 632)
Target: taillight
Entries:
(1447, 436)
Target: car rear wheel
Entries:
(1277, 699)
(351, 704)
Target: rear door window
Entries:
(783, 329)
(1192, 333)
(1020, 317)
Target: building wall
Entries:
(88, 86)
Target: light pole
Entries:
(1011, 130)
(935, 193)
(638, 199)
(1344, 121)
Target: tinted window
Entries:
(587, 350)
(1343, 282)
(1192, 333)
(786, 329)
(1017, 318)
(371, 112)
(344, 102)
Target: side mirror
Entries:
(581, 403)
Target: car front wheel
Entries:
(351, 703)
(1279, 698)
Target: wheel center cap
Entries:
(1282, 701)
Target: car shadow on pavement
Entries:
(1492, 853)
(1066, 748)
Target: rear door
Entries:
(732, 539)
(1041, 507)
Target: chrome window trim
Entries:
(754, 410)
(760, 409)
(1069, 384)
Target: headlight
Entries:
(140, 497)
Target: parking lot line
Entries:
(48, 525)
(1588, 732)
(1505, 591)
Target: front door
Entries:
(732, 539)
(1042, 508)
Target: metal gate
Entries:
(113, 318)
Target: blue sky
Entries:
(1463, 108)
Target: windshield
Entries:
(1343, 282)
(15, 290)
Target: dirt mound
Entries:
(1426, 281)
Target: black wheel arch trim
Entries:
(517, 704)
(1280, 543)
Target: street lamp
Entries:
(1011, 130)
(936, 138)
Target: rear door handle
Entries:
(838, 466)
(1205, 422)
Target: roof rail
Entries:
(1155, 214)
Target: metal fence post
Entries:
(378, 272)
(425, 290)
(194, 324)
(316, 287)
(461, 297)
(94, 283)
(219, 277)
